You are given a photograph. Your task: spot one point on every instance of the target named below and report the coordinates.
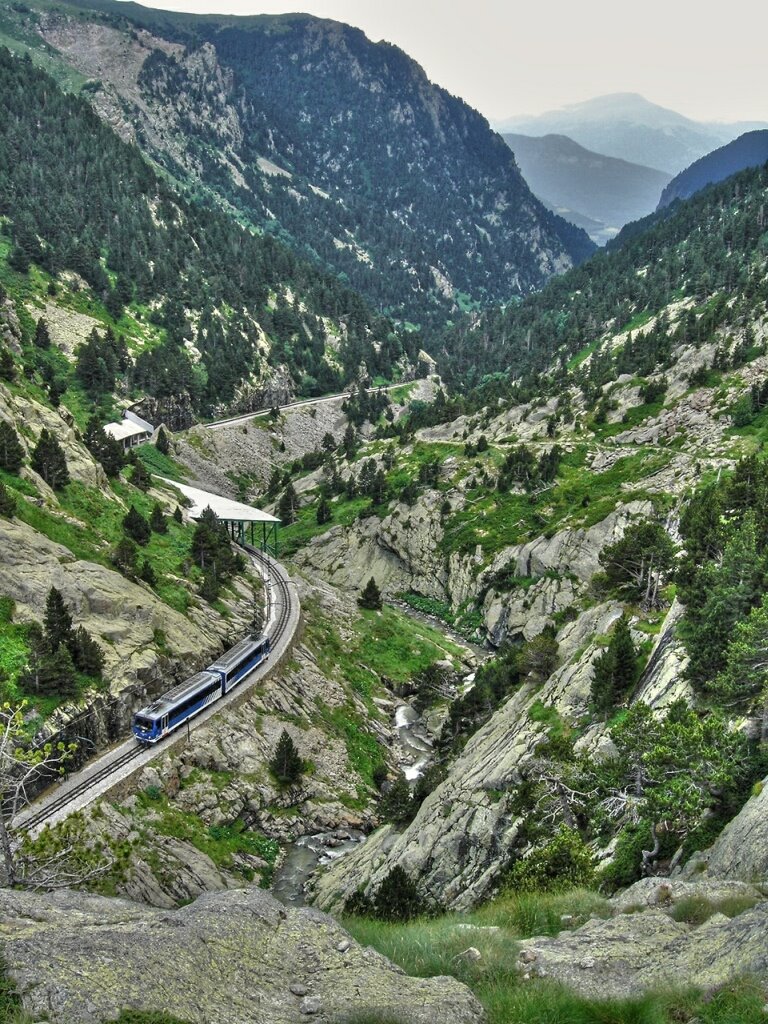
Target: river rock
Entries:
(77, 958)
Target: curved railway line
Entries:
(94, 780)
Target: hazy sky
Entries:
(506, 57)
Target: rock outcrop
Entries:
(741, 851)
(237, 958)
(631, 954)
(460, 838)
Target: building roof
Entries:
(225, 508)
(125, 429)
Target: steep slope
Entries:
(749, 150)
(505, 518)
(685, 250)
(316, 135)
(223, 312)
(579, 184)
(629, 127)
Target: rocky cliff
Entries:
(237, 957)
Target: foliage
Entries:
(11, 451)
(397, 804)
(637, 565)
(397, 897)
(49, 461)
(615, 671)
(7, 502)
(564, 862)
(286, 763)
(143, 244)
(105, 448)
(370, 598)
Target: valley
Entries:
(506, 760)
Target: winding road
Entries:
(245, 417)
(101, 775)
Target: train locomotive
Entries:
(189, 698)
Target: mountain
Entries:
(629, 127)
(584, 187)
(686, 248)
(214, 316)
(311, 133)
(749, 150)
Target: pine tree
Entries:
(178, 516)
(42, 338)
(162, 443)
(136, 526)
(397, 898)
(105, 448)
(287, 506)
(148, 574)
(57, 620)
(397, 804)
(56, 673)
(615, 671)
(624, 656)
(7, 365)
(324, 514)
(7, 503)
(157, 520)
(140, 477)
(124, 557)
(49, 461)
(86, 653)
(602, 687)
(371, 596)
(11, 452)
(286, 763)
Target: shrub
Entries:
(565, 862)
(397, 898)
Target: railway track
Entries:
(282, 613)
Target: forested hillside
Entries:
(341, 147)
(229, 304)
(710, 250)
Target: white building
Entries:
(132, 430)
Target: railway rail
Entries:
(99, 777)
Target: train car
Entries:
(174, 708)
(239, 661)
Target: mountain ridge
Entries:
(391, 181)
(628, 126)
(574, 180)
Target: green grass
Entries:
(429, 948)
(386, 643)
(159, 464)
(99, 527)
(583, 354)
(579, 498)
(222, 843)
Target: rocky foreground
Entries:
(235, 958)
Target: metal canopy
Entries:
(244, 522)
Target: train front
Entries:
(145, 728)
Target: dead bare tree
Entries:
(65, 859)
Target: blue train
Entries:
(189, 698)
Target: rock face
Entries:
(634, 953)
(237, 958)
(742, 849)
(122, 615)
(459, 839)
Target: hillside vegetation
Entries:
(308, 131)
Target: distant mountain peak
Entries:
(630, 127)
